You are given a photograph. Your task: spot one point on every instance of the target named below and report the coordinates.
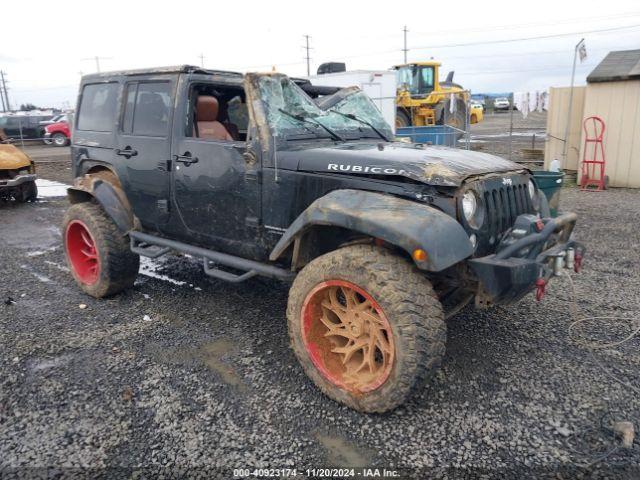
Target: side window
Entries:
(216, 112)
(147, 109)
(98, 107)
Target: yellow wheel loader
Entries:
(423, 100)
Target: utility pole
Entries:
(308, 58)
(7, 105)
(565, 150)
(201, 57)
(405, 49)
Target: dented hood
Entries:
(433, 165)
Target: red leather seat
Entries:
(207, 122)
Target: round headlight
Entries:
(469, 205)
(532, 189)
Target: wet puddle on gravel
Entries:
(342, 453)
(210, 354)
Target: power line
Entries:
(523, 39)
(97, 60)
(528, 25)
(537, 53)
(538, 69)
(464, 57)
(488, 42)
(59, 87)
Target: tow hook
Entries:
(541, 284)
(577, 262)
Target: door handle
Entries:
(185, 158)
(126, 152)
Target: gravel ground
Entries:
(187, 372)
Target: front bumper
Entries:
(18, 180)
(526, 262)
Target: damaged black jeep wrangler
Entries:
(261, 174)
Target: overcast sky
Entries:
(44, 50)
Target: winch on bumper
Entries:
(530, 253)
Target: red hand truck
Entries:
(593, 155)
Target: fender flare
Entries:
(404, 223)
(107, 196)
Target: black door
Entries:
(143, 147)
(215, 194)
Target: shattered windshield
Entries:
(362, 107)
(292, 113)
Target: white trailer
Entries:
(379, 85)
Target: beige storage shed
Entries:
(613, 94)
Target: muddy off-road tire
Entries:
(98, 255)
(363, 295)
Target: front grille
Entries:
(504, 198)
(503, 205)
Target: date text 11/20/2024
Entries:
(315, 473)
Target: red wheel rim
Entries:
(82, 252)
(347, 336)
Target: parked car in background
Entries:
(63, 117)
(476, 104)
(57, 134)
(476, 112)
(23, 126)
(501, 103)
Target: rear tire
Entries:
(389, 297)
(98, 254)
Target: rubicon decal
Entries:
(338, 167)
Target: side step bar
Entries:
(141, 241)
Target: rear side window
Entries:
(147, 109)
(98, 107)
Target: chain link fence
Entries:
(512, 129)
